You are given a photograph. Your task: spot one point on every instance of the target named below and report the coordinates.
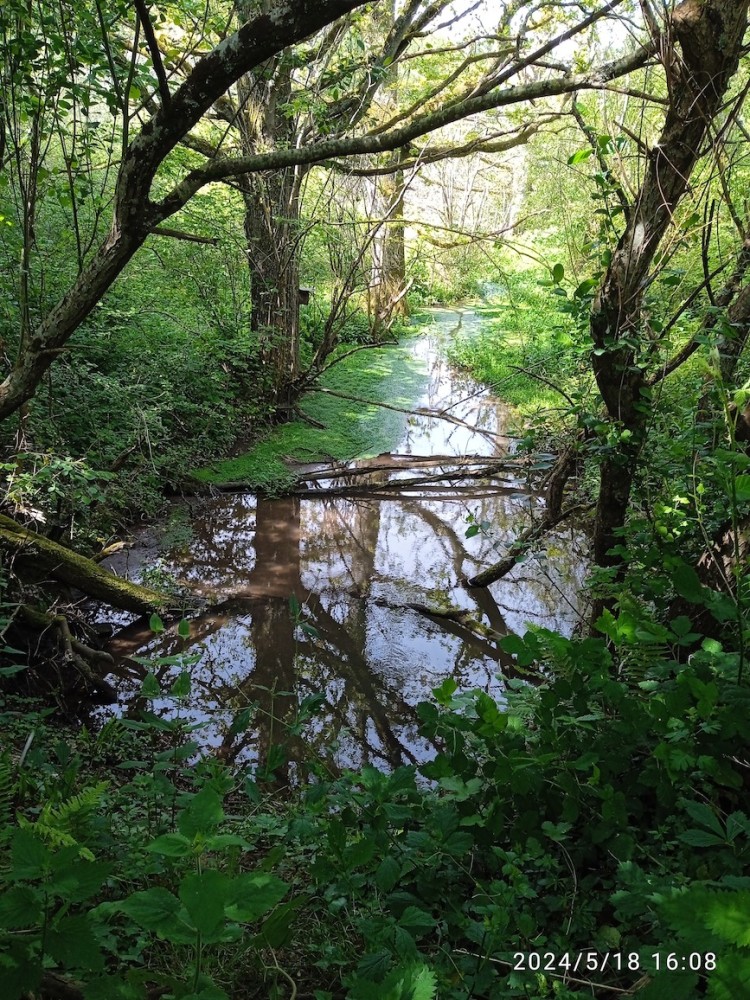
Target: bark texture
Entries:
(708, 36)
(74, 570)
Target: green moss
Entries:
(352, 429)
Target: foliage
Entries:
(599, 811)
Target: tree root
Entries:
(77, 654)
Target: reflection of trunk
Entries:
(710, 35)
(388, 301)
(277, 552)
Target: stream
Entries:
(326, 597)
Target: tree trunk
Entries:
(387, 300)
(66, 566)
(710, 35)
(271, 223)
(272, 207)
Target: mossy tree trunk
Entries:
(41, 557)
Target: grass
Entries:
(523, 330)
(352, 429)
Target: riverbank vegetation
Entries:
(214, 222)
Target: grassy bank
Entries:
(523, 335)
(351, 428)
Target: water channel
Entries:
(331, 595)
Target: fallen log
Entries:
(74, 570)
(522, 545)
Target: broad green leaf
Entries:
(580, 156)
(150, 908)
(150, 687)
(79, 880)
(277, 927)
(417, 922)
(171, 845)
(704, 814)
(558, 273)
(728, 915)
(182, 686)
(253, 894)
(72, 943)
(742, 488)
(701, 838)
(387, 874)
(156, 624)
(29, 855)
(20, 907)
(204, 895)
(202, 815)
(183, 629)
(687, 584)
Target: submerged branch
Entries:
(522, 545)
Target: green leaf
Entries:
(29, 855)
(580, 156)
(150, 687)
(417, 922)
(359, 853)
(558, 273)
(156, 624)
(276, 929)
(79, 880)
(254, 894)
(728, 915)
(701, 838)
(171, 845)
(150, 908)
(183, 629)
(687, 583)
(72, 943)
(387, 874)
(742, 488)
(704, 814)
(202, 815)
(20, 907)
(181, 687)
(204, 895)
(585, 287)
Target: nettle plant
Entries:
(70, 912)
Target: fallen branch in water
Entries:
(522, 544)
(472, 629)
(420, 411)
(398, 485)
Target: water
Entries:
(330, 594)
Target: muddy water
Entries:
(329, 595)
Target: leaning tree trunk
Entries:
(710, 34)
(43, 557)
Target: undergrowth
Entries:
(589, 836)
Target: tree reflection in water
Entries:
(362, 572)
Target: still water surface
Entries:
(325, 594)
